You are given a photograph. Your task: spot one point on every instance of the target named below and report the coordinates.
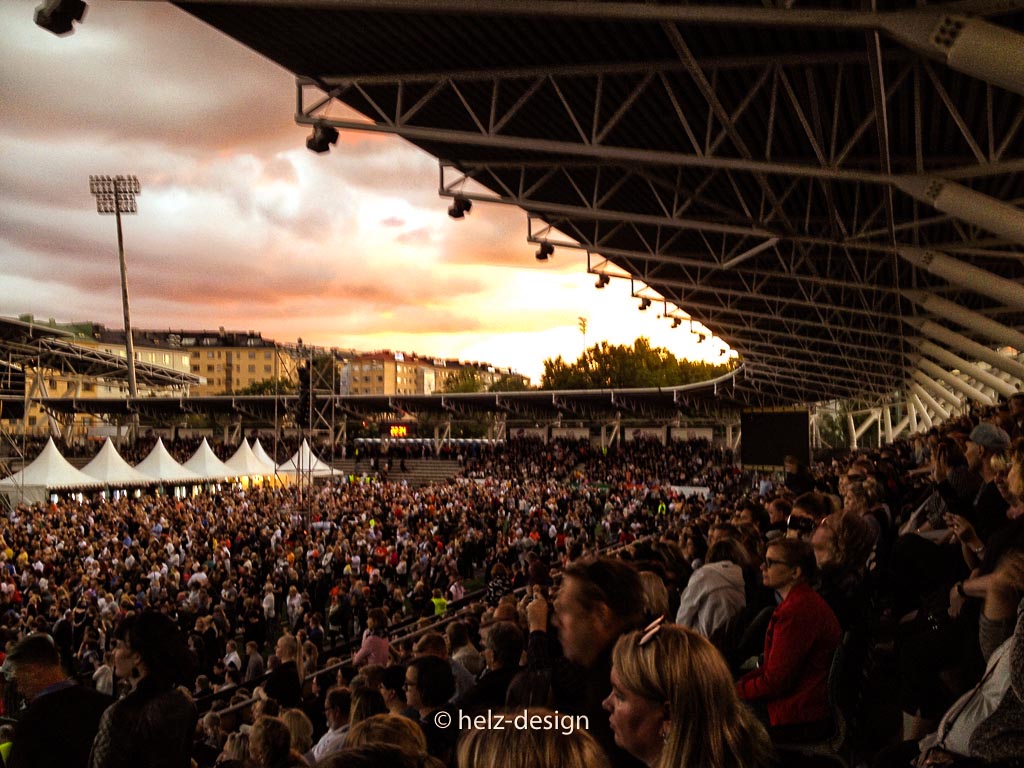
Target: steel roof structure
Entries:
(694, 401)
(32, 347)
(833, 188)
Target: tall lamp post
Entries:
(116, 195)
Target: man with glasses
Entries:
(337, 705)
(429, 685)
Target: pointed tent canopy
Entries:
(111, 469)
(244, 463)
(160, 465)
(306, 461)
(204, 463)
(262, 456)
(51, 471)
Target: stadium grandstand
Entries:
(834, 189)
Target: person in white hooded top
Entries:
(715, 595)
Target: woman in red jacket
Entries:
(789, 688)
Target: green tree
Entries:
(510, 382)
(605, 366)
(269, 387)
(464, 380)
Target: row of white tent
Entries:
(50, 471)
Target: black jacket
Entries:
(151, 727)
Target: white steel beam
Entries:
(970, 45)
(964, 344)
(903, 424)
(976, 321)
(930, 384)
(920, 411)
(965, 204)
(866, 424)
(1008, 292)
(940, 373)
(923, 399)
(966, 366)
(912, 416)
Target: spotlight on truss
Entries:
(460, 207)
(321, 138)
(59, 16)
(602, 281)
(644, 304)
(544, 252)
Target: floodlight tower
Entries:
(116, 195)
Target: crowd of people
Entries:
(621, 621)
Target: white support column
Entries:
(903, 424)
(887, 423)
(940, 373)
(943, 308)
(972, 348)
(924, 399)
(966, 366)
(957, 272)
(967, 44)
(920, 412)
(937, 389)
(866, 425)
(912, 415)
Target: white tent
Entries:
(112, 470)
(160, 465)
(204, 463)
(305, 462)
(261, 455)
(49, 471)
(245, 464)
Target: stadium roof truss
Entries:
(832, 188)
(43, 351)
(699, 401)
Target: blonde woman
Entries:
(673, 703)
(236, 751)
(395, 730)
(270, 745)
(541, 747)
(301, 729)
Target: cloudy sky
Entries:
(240, 226)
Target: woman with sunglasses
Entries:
(673, 703)
(789, 688)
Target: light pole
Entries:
(116, 195)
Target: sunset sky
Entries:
(240, 226)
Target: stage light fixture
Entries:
(644, 304)
(460, 207)
(701, 338)
(544, 252)
(676, 322)
(602, 281)
(321, 138)
(58, 16)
